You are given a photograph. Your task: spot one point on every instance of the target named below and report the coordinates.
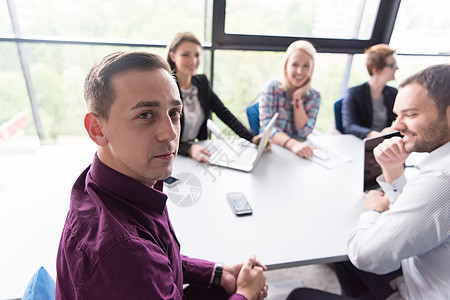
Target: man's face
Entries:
(424, 129)
(143, 127)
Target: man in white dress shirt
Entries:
(406, 227)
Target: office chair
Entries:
(253, 117)
(41, 286)
(338, 115)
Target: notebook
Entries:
(371, 168)
(237, 154)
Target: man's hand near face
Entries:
(391, 156)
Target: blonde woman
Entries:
(294, 99)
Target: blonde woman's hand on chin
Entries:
(301, 91)
(199, 153)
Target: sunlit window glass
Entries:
(16, 118)
(422, 27)
(306, 18)
(117, 19)
(5, 23)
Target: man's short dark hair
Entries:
(436, 80)
(98, 91)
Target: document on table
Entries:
(329, 159)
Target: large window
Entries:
(113, 19)
(422, 27)
(62, 39)
(244, 45)
(306, 18)
(13, 93)
(421, 37)
(5, 23)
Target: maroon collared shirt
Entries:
(118, 242)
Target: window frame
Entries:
(381, 33)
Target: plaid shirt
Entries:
(274, 99)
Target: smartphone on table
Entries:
(170, 181)
(239, 204)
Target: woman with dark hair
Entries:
(199, 101)
(367, 108)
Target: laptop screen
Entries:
(267, 131)
(371, 168)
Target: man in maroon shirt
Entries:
(118, 242)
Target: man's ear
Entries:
(94, 129)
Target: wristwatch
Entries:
(218, 274)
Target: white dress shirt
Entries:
(413, 233)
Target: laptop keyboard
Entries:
(232, 151)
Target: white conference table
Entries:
(302, 212)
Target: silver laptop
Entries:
(371, 168)
(238, 154)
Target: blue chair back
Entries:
(253, 117)
(338, 114)
(40, 287)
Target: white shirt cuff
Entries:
(392, 190)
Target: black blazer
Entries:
(357, 109)
(211, 103)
